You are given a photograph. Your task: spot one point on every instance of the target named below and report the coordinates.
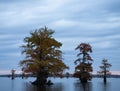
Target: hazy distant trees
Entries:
(83, 67)
(43, 55)
(13, 74)
(105, 69)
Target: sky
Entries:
(96, 22)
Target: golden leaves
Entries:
(42, 52)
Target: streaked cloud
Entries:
(74, 21)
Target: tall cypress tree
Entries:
(43, 55)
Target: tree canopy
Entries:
(105, 67)
(42, 52)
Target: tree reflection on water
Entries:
(56, 87)
(75, 86)
(83, 86)
(64, 84)
(59, 87)
(105, 86)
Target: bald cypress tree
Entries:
(104, 69)
(43, 55)
(83, 67)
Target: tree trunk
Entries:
(83, 78)
(41, 79)
(105, 79)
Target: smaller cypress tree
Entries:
(104, 69)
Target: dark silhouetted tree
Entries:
(43, 55)
(105, 69)
(83, 67)
(13, 74)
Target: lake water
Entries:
(64, 84)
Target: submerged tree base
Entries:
(42, 83)
(83, 80)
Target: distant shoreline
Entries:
(29, 75)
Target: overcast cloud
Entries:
(74, 21)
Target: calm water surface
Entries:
(64, 84)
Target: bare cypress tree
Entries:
(104, 69)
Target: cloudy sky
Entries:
(96, 22)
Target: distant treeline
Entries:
(108, 76)
(30, 75)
